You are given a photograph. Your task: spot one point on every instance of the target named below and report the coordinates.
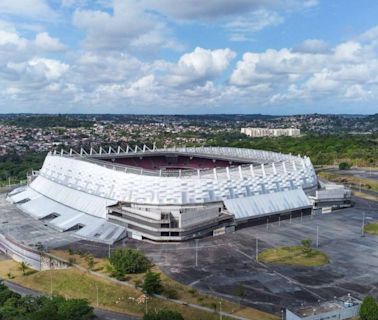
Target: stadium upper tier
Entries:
(90, 175)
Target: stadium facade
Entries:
(169, 194)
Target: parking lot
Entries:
(230, 260)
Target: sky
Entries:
(189, 56)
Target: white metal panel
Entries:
(82, 201)
(266, 204)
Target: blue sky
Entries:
(189, 56)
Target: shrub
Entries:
(306, 243)
(170, 293)
(13, 306)
(90, 261)
(344, 165)
(369, 309)
(71, 261)
(128, 261)
(152, 283)
(192, 291)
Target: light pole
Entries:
(109, 251)
(51, 284)
(96, 294)
(363, 225)
(7, 226)
(220, 310)
(197, 240)
(317, 236)
(257, 249)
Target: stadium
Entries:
(167, 194)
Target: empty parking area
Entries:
(227, 261)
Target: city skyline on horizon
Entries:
(276, 57)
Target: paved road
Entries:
(100, 313)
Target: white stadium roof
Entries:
(267, 204)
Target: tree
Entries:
(128, 261)
(240, 292)
(163, 314)
(344, 165)
(306, 243)
(74, 309)
(90, 261)
(369, 309)
(23, 267)
(152, 283)
(13, 306)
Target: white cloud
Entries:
(36, 9)
(312, 46)
(240, 18)
(12, 39)
(242, 28)
(348, 52)
(39, 69)
(47, 43)
(200, 65)
(219, 9)
(348, 71)
(357, 92)
(128, 26)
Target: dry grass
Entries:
(294, 255)
(73, 283)
(367, 184)
(365, 196)
(372, 228)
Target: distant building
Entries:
(345, 307)
(267, 132)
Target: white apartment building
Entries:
(267, 132)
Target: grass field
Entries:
(73, 283)
(181, 292)
(294, 255)
(367, 184)
(372, 228)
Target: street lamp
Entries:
(96, 293)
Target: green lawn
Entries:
(294, 255)
(372, 228)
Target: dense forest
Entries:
(15, 307)
(322, 149)
(14, 167)
(46, 121)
